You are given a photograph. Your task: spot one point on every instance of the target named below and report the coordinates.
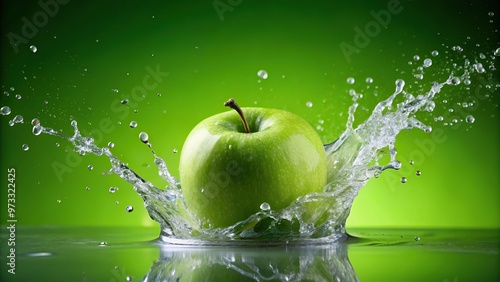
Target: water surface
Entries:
(132, 254)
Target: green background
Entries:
(87, 49)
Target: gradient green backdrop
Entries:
(86, 49)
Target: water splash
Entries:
(320, 217)
(353, 159)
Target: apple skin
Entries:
(226, 174)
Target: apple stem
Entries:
(233, 105)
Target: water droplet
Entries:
(418, 173)
(175, 150)
(417, 238)
(58, 145)
(116, 267)
(159, 94)
(5, 111)
(491, 14)
(457, 48)
(419, 76)
(143, 136)
(111, 144)
(18, 96)
(427, 62)
(309, 104)
(128, 278)
(41, 254)
(350, 80)
(103, 244)
(133, 124)
(230, 146)
(87, 188)
(399, 85)
(37, 129)
(18, 119)
(129, 208)
(369, 80)
(497, 52)
(12, 88)
(124, 101)
(265, 206)
(58, 201)
(112, 190)
(416, 57)
(33, 48)
(403, 179)
(479, 67)
(262, 74)
(35, 121)
(430, 106)
(25, 147)
(455, 80)
(117, 203)
(435, 53)
(412, 162)
(470, 119)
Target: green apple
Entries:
(231, 164)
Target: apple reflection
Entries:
(278, 263)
